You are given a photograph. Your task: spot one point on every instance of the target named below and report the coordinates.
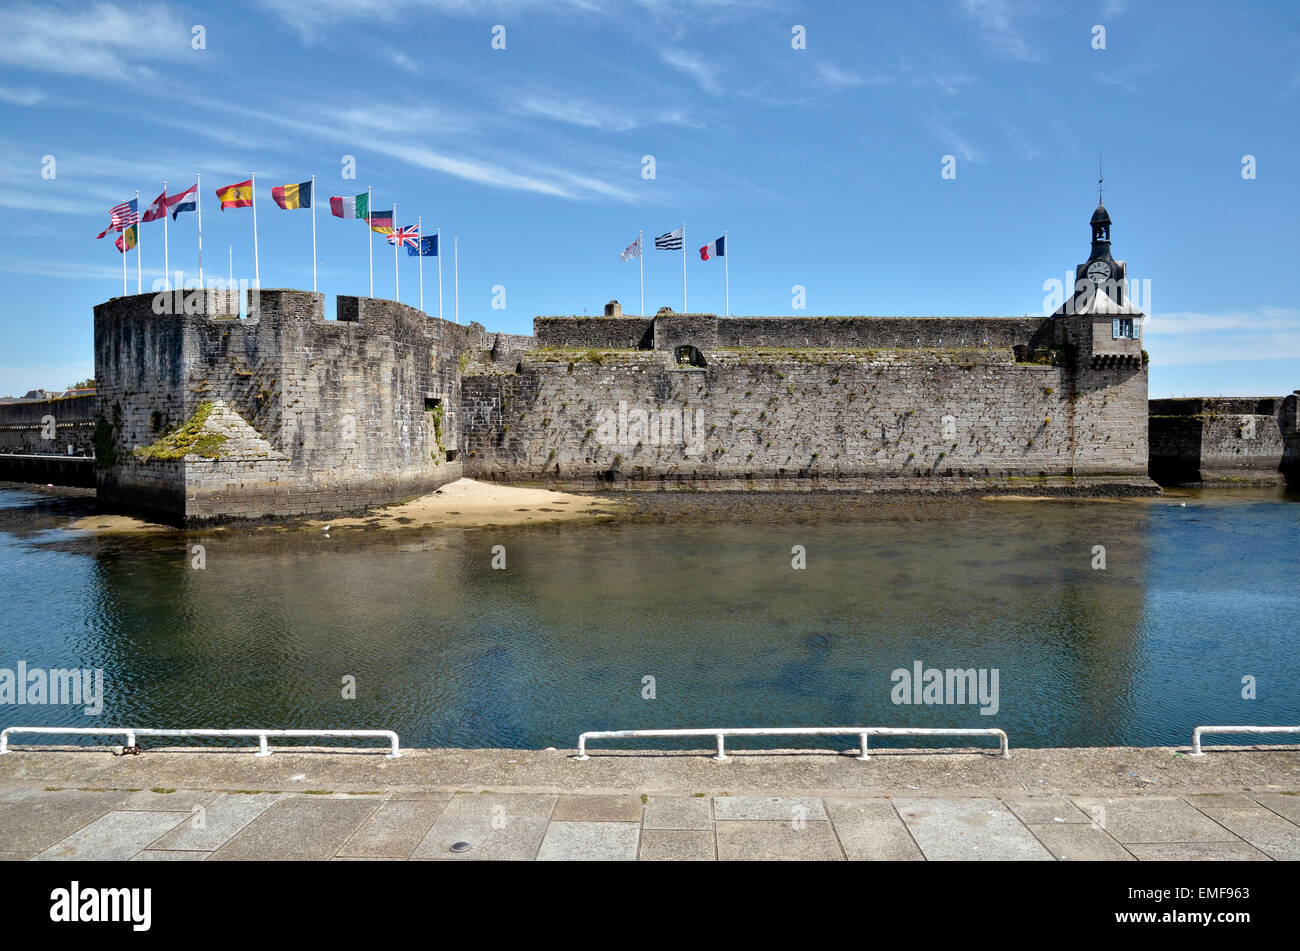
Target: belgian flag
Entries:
(292, 196)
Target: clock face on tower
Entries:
(1098, 272)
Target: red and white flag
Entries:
(157, 210)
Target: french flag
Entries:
(714, 249)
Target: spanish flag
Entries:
(292, 196)
(236, 196)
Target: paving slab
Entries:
(768, 808)
(1046, 809)
(965, 829)
(679, 813)
(163, 800)
(767, 841)
(114, 837)
(870, 830)
(1153, 819)
(508, 838)
(1286, 806)
(596, 808)
(677, 845)
(1079, 842)
(523, 805)
(15, 856)
(1197, 852)
(306, 829)
(590, 841)
(394, 830)
(17, 793)
(37, 822)
(220, 820)
(169, 855)
(1261, 827)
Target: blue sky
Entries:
(823, 163)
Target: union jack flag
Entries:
(409, 236)
(120, 216)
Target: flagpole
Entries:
(370, 241)
(455, 253)
(257, 267)
(167, 274)
(198, 194)
(419, 240)
(313, 234)
(124, 261)
(397, 281)
(726, 272)
(640, 245)
(439, 232)
(137, 243)
(683, 267)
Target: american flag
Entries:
(410, 236)
(121, 216)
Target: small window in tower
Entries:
(1126, 328)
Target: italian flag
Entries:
(357, 206)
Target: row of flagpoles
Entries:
(676, 241)
(125, 218)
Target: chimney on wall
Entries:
(613, 309)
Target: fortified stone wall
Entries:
(24, 426)
(1225, 440)
(820, 400)
(312, 416)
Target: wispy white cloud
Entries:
(1266, 333)
(21, 97)
(594, 115)
(1114, 8)
(836, 77)
(100, 40)
(707, 75)
(995, 20)
(951, 139)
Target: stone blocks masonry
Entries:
(204, 416)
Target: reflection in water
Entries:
(449, 652)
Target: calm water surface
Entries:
(449, 652)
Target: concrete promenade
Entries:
(1091, 804)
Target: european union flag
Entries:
(428, 247)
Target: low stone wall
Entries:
(1224, 440)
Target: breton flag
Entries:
(120, 216)
(239, 195)
(633, 250)
(408, 236)
(353, 206)
(292, 196)
(185, 201)
(157, 210)
(428, 247)
(382, 221)
(127, 240)
(672, 241)
(714, 249)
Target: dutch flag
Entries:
(714, 249)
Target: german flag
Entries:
(236, 196)
(382, 221)
(292, 196)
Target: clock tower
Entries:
(1101, 271)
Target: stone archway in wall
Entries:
(688, 356)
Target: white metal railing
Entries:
(1200, 730)
(131, 734)
(862, 732)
